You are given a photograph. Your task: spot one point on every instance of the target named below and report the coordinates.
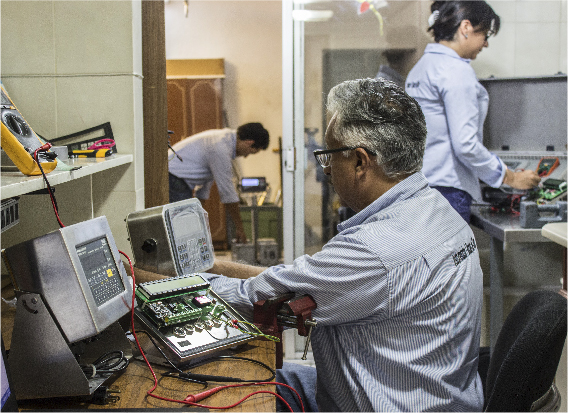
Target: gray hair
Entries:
(378, 115)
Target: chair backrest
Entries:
(527, 352)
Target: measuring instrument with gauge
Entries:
(19, 141)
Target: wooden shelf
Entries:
(14, 183)
(195, 68)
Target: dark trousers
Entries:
(303, 380)
(458, 199)
(179, 189)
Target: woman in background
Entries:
(455, 105)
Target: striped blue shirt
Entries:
(455, 106)
(207, 158)
(399, 295)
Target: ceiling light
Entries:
(312, 15)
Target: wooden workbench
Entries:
(137, 379)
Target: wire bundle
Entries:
(44, 149)
(109, 363)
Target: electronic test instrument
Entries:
(182, 312)
(72, 289)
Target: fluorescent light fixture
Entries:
(310, 1)
(312, 15)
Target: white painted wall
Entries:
(248, 35)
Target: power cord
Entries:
(205, 378)
(168, 360)
(50, 155)
(111, 362)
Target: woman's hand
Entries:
(525, 179)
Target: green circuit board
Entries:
(552, 189)
(179, 307)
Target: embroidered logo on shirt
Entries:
(412, 84)
(464, 252)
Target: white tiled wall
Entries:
(531, 42)
(93, 36)
(72, 65)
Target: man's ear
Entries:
(248, 145)
(363, 161)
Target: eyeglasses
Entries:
(488, 34)
(324, 157)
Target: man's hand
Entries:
(240, 236)
(234, 212)
(526, 179)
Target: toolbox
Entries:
(95, 142)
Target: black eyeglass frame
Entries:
(488, 34)
(318, 153)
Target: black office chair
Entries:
(522, 366)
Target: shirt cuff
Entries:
(501, 172)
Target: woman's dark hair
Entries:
(451, 14)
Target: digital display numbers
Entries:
(100, 269)
(173, 284)
(190, 245)
(250, 182)
(253, 184)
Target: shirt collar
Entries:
(401, 191)
(438, 48)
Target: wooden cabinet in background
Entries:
(195, 104)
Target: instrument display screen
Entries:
(100, 270)
(189, 241)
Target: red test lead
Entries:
(194, 398)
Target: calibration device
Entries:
(186, 316)
(172, 239)
(71, 289)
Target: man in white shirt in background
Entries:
(206, 157)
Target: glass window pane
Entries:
(342, 42)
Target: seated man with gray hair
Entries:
(398, 289)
